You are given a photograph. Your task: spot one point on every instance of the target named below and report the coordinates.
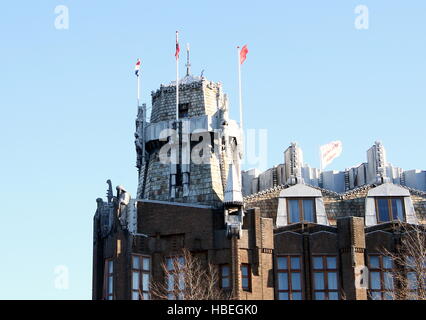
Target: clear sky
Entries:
(67, 100)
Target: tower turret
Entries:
(187, 160)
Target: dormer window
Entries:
(301, 210)
(390, 209)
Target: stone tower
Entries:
(186, 158)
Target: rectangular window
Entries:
(301, 210)
(381, 277)
(415, 277)
(325, 278)
(109, 279)
(141, 276)
(183, 110)
(175, 278)
(390, 209)
(289, 273)
(225, 276)
(246, 277)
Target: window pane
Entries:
(225, 283)
(296, 296)
(383, 207)
(145, 281)
(110, 284)
(388, 280)
(333, 296)
(410, 262)
(319, 280)
(387, 262)
(295, 281)
(171, 296)
(375, 281)
(135, 295)
(181, 262)
(225, 271)
(397, 211)
(374, 262)
(308, 210)
(412, 280)
(245, 283)
(294, 211)
(146, 296)
(332, 281)
(244, 270)
(110, 266)
(388, 296)
(135, 280)
(146, 265)
(282, 281)
(331, 263)
(109, 298)
(136, 262)
(319, 296)
(169, 264)
(376, 295)
(318, 263)
(170, 282)
(295, 263)
(282, 263)
(181, 281)
(283, 296)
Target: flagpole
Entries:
(177, 79)
(239, 88)
(139, 90)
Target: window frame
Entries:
(248, 277)
(381, 270)
(301, 209)
(325, 270)
(289, 271)
(107, 275)
(410, 267)
(221, 276)
(141, 290)
(390, 208)
(176, 275)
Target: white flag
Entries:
(329, 152)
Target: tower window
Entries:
(109, 279)
(390, 209)
(183, 110)
(301, 210)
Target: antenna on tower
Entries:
(188, 63)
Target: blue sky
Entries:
(68, 105)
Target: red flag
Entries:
(243, 54)
(177, 46)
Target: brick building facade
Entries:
(292, 240)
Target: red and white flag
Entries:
(177, 46)
(329, 152)
(137, 67)
(243, 54)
